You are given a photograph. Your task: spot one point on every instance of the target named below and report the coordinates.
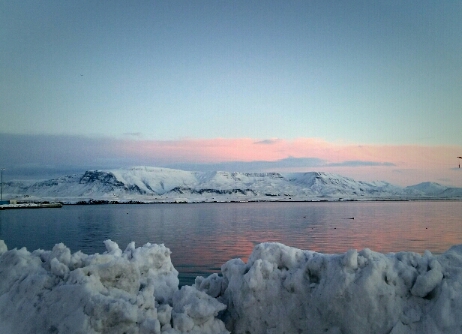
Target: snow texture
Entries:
(279, 290)
(287, 290)
(151, 184)
(116, 292)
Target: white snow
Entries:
(287, 290)
(155, 179)
(154, 184)
(115, 292)
(279, 290)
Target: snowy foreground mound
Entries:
(280, 290)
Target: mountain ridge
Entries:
(157, 184)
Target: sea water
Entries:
(204, 236)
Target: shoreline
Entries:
(30, 206)
(62, 202)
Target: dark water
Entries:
(204, 236)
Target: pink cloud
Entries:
(220, 149)
(248, 149)
(402, 164)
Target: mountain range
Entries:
(154, 184)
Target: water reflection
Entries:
(96, 225)
(204, 236)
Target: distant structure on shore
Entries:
(1, 184)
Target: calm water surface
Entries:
(204, 236)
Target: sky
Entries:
(366, 89)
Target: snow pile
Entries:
(135, 291)
(280, 290)
(287, 290)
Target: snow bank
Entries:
(134, 291)
(280, 290)
(287, 290)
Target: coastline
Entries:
(59, 203)
(30, 206)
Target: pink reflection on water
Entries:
(380, 226)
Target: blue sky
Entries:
(345, 72)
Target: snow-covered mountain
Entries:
(433, 189)
(152, 184)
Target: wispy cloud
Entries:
(359, 163)
(267, 142)
(133, 134)
(253, 166)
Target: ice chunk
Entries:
(3, 247)
(196, 304)
(195, 312)
(58, 268)
(427, 282)
(213, 285)
(350, 259)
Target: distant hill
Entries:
(153, 184)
